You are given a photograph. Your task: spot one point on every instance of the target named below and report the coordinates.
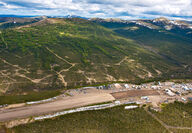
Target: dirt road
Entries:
(62, 104)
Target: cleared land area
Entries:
(134, 93)
(64, 103)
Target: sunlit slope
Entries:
(174, 43)
(54, 53)
(173, 46)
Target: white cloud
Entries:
(102, 8)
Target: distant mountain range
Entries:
(42, 52)
(28, 16)
(157, 23)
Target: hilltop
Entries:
(51, 53)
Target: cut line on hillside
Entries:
(124, 59)
(61, 77)
(3, 40)
(36, 81)
(59, 57)
(6, 75)
(16, 66)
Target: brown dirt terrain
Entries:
(2, 129)
(134, 93)
(59, 105)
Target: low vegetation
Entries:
(64, 53)
(176, 114)
(180, 131)
(115, 120)
(30, 96)
(111, 120)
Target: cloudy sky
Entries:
(126, 9)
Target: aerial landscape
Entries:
(93, 66)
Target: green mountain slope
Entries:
(174, 45)
(56, 53)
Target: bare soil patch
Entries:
(62, 104)
(134, 93)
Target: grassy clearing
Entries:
(32, 96)
(113, 120)
(176, 114)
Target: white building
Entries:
(126, 86)
(169, 92)
(131, 107)
(145, 98)
(183, 99)
(118, 86)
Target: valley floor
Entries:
(142, 94)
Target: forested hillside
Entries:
(57, 53)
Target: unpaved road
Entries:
(64, 103)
